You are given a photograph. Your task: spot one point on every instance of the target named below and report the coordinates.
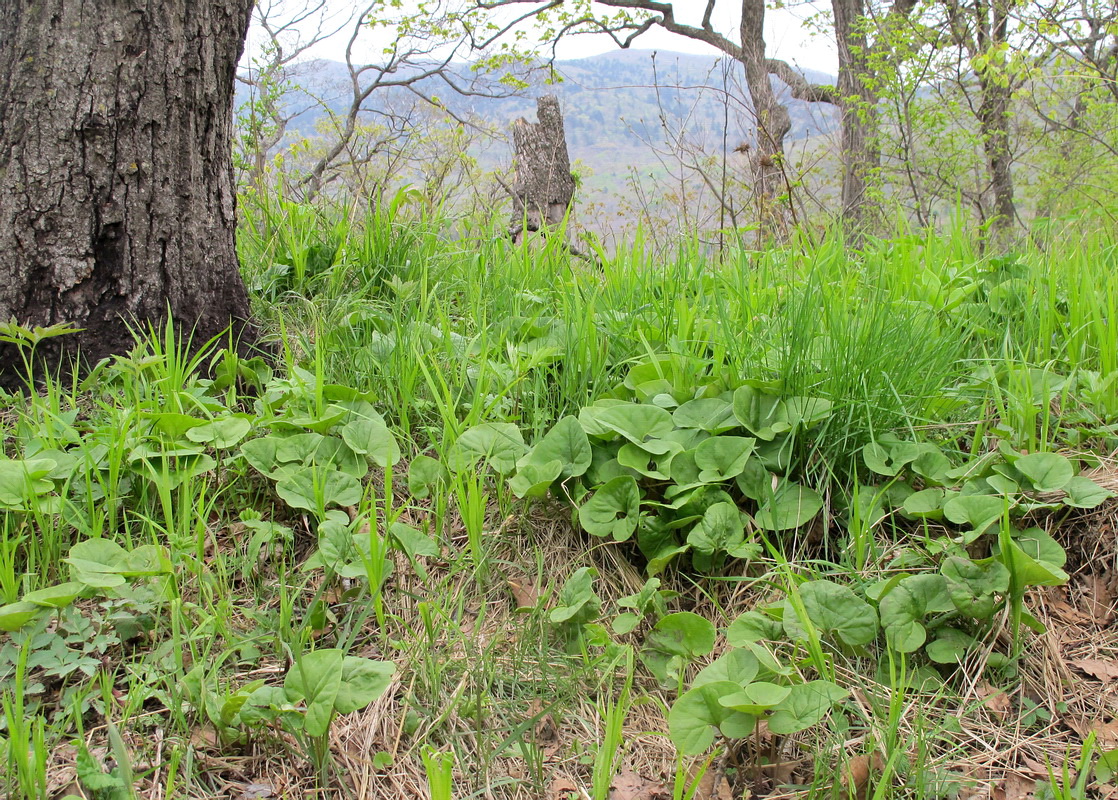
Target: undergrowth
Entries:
(497, 522)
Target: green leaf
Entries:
(221, 433)
(312, 488)
(806, 412)
(1027, 571)
(424, 474)
(373, 439)
(577, 603)
(653, 459)
(22, 480)
(1107, 766)
(499, 444)
(755, 482)
(261, 453)
(979, 511)
(721, 530)
(97, 563)
(1039, 544)
(753, 626)
(904, 610)
(932, 465)
(835, 611)
(739, 666)
(316, 679)
(676, 640)
(1085, 493)
(698, 714)
(362, 681)
(14, 616)
(414, 542)
(613, 510)
(764, 415)
(721, 458)
(534, 480)
(710, 414)
(973, 586)
(684, 634)
(790, 506)
(805, 705)
(566, 443)
(950, 646)
(926, 504)
(638, 423)
(888, 456)
(58, 596)
(1048, 472)
(756, 698)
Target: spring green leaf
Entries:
(613, 510)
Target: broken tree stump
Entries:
(543, 187)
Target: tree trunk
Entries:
(544, 188)
(993, 114)
(858, 103)
(993, 118)
(773, 122)
(116, 181)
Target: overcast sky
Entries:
(786, 36)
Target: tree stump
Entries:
(544, 187)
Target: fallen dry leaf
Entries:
(1105, 732)
(1015, 787)
(995, 699)
(524, 593)
(856, 778)
(1063, 611)
(561, 788)
(1097, 598)
(546, 729)
(631, 786)
(257, 791)
(1101, 668)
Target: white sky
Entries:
(786, 36)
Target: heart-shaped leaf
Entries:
(721, 458)
(904, 609)
(222, 433)
(373, 439)
(1085, 493)
(315, 488)
(805, 705)
(613, 510)
(698, 715)
(638, 423)
(973, 586)
(315, 679)
(756, 698)
(424, 474)
(790, 506)
(762, 414)
(534, 480)
(362, 681)
(835, 611)
(710, 414)
(566, 443)
(1048, 472)
(499, 444)
(979, 511)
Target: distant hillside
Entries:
(610, 103)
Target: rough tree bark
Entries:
(773, 122)
(544, 188)
(982, 29)
(116, 180)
